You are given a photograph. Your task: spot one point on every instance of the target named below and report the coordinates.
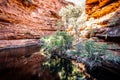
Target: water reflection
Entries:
(19, 62)
(17, 52)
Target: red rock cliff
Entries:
(104, 14)
(25, 19)
(20, 19)
(98, 8)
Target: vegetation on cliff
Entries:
(63, 47)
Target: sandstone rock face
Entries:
(21, 19)
(22, 22)
(104, 20)
(104, 14)
(98, 8)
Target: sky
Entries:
(77, 2)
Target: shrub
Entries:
(56, 43)
(59, 43)
(93, 53)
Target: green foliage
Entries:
(113, 58)
(92, 53)
(63, 67)
(93, 47)
(55, 44)
(60, 66)
(89, 51)
(98, 52)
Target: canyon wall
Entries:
(26, 19)
(22, 23)
(104, 20)
(104, 15)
